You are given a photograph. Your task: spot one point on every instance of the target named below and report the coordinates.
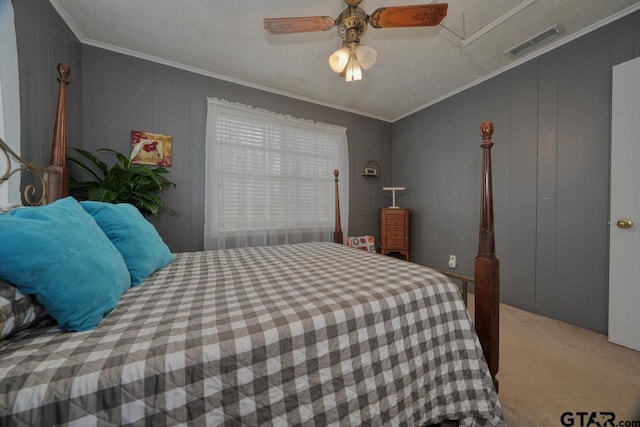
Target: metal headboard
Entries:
(34, 194)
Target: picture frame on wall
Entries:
(151, 149)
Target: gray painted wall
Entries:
(551, 175)
(121, 93)
(44, 40)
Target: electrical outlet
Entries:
(453, 263)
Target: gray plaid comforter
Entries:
(308, 334)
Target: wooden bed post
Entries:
(337, 233)
(487, 266)
(58, 183)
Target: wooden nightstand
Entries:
(394, 231)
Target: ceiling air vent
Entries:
(536, 40)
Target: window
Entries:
(9, 98)
(270, 177)
(4, 191)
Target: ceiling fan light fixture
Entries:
(354, 71)
(339, 59)
(366, 56)
(352, 24)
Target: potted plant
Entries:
(124, 182)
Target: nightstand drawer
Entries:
(394, 213)
(395, 244)
(396, 235)
(394, 221)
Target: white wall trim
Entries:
(200, 71)
(535, 54)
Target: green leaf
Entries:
(124, 160)
(124, 182)
(102, 166)
(85, 168)
(101, 195)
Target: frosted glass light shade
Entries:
(339, 59)
(354, 72)
(366, 56)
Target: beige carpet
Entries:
(549, 367)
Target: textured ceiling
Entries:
(416, 67)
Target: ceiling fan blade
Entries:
(298, 25)
(426, 15)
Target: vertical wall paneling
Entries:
(139, 97)
(636, 31)
(44, 40)
(584, 93)
(409, 169)
(465, 191)
(45, 111)
(97, 116)
(520, 282)
(546, 197)
(118, 139)
(551, 174)
(436, 186)
(364, 145)
(156, 102)
(196, 127)
(28, 67)
(622, 40)
(177, 125)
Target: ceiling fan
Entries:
(352, 23)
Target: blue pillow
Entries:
(59, 254)
(141, 246)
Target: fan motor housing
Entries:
(352, 24)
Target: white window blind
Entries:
(270, 177)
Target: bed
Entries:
(307, 334)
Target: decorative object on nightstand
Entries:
(394, 231)
(366, 243)
(371, 169)
(393, 190)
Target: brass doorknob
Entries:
(624, 223)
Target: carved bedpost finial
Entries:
(336, 172)
(63, 73)
(486, 130)
(486, 244)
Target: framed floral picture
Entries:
(150, 148)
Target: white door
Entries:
(624, 234)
